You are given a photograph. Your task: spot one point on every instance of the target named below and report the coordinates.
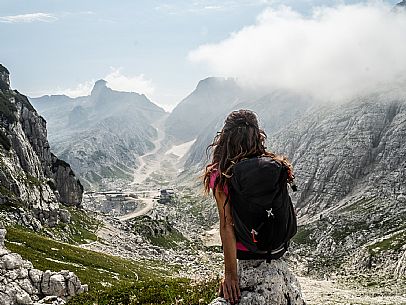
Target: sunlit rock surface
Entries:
(32, 180)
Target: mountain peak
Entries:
(98, 86)
(215, 82)
(403, 3)
(210, 80)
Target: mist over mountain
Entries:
(102, 134)
(212, 96)
(335, 53)
(276, 109)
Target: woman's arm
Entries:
(229, 285)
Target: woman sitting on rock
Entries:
(256, 214)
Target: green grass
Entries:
(112, 280)
(165, 291)
(360, 205)
(33, 181)
(170, 240)
(91, 267)
(159, 232)
(6, 192)
(81, 228)
(393, 243)
(302, 236)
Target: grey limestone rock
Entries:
(30, 174)
(57, 285)
(69, 188)
(46, 276)
(400, 270)
(27, 286)
(4, 77)
(64, 215)
(51, 300)
(2, 237)
(35, 276)
(22, 297)
(11, 261)
(340, 149)
(264, 283)
(5, 299)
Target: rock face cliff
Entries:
(351, 149)
(100, 135)
(32, 179)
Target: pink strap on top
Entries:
(213, 177)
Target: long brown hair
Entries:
(240, 138)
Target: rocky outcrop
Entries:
(31, 177)
(400, 270)
(4, 78)
(21, 283)
(266, 283)
(69, 188)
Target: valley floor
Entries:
(317, 292)
(159, 169)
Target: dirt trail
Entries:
(149, 205)
(146, 167)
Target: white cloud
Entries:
(207, 6)
(118, 81)
(115, 80)
(80, 90)
(335, 53)
(27, 18)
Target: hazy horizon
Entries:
(163, 50)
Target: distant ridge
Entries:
(102, 134)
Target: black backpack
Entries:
(263, 214)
